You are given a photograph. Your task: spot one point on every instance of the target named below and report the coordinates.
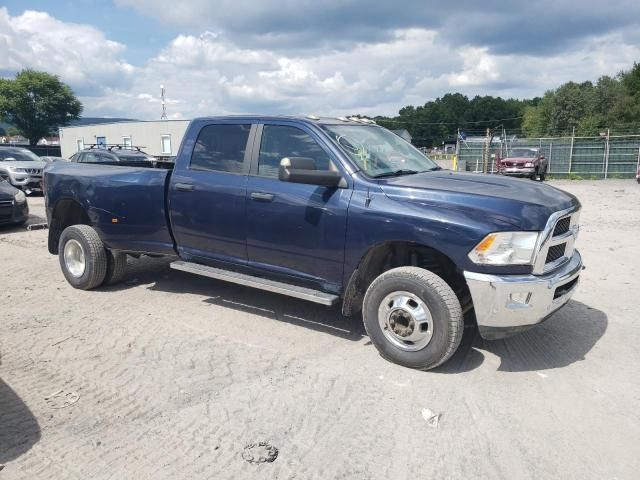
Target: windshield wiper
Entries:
(396, 173)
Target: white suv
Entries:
(21, 168)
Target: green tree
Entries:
(37, 103)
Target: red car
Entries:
(524, 162)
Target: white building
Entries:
(160, 138)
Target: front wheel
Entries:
(413, 317)
(82, 256)
(543, 175)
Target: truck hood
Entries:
(28, 164)
(524, 204)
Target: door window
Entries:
(280, 141)
(221, 148)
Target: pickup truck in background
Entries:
(524, 162)
(330, 210)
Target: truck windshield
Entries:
(379, 152)
(522, 153)
(22, 155)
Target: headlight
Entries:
(505, 248)
(528, 164)
(20, 197)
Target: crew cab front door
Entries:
(207, 194)
(293, 229)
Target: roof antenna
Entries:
(164, 106)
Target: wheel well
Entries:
(67, 212)
(390, 255)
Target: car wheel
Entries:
(82, 256)
(116, 267)
(534, 175)
(413, 317)
(543, 175)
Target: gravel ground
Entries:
(171, 376)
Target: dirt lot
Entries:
(171, 376)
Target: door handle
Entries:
(184, 187)
(265, 197)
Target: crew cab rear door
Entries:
(207, 192)
(294, 229)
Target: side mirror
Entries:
(303, 170)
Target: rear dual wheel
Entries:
(84, 260)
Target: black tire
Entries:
(446, 315)
(534, 175)
(95, 257)
(116, 267)
(543, 175)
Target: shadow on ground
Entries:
(156, 273)
(565, 338)
(33, 219)
(19, 430)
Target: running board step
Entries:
(303, 293)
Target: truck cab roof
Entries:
(308, 119)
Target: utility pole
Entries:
(164, 107)
(606, 156)
(456, 157)
(485, 151)
(573, 135)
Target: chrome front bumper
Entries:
(508, 304)
(517, 171)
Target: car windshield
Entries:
(21, 155)
(379, 152)
(522, 152)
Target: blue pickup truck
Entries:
(329, 210)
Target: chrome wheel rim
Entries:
(405, 321)
(74, 258)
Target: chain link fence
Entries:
(568, 157)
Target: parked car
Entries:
(51, 159)
(330, 211)
(21, 168)
(114, 155)
(14, 209)
(524, 162)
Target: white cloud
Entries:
(80, 54)
(211, 74)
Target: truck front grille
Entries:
(557, 248)
(562, 226)
(33, 171)
(555, 252)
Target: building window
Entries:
(101, 141)
(166, 144)
(80, 144)
(126, 141)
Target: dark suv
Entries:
(114, 155)
(524, 162)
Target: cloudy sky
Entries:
(310, 56)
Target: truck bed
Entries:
(126, 205)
